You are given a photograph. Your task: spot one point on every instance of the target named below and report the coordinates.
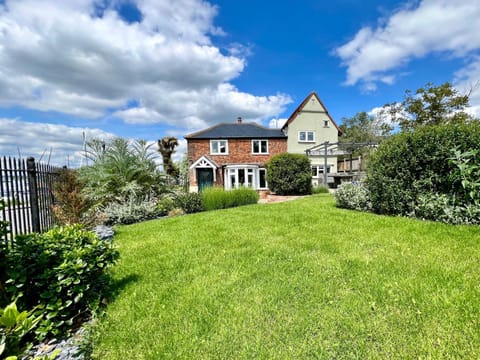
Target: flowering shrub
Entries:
(353, 196)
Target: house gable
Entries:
(311, 104)
(310, 125)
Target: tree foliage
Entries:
(166, 147)
(71, 206)
(429, 105)
(120, 170)
(289, 174)
(363, 128)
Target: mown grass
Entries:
(294, 280)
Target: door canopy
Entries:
(205, 163)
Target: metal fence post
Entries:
(325, 165)
(33, 193)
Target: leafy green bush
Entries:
(289, 174)
(414, 163)
(130, 211)
(218, 198)
(14, 326)
(62, 273)
(467, 173)
(189, 202)
(353, 196)
(3, 223)
(320, 189)
(119, 170)
(3, 250)
(165, 205)
(442, 207)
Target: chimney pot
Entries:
(239, 120)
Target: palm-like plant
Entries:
(166, 147)
(121, 170)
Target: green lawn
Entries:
(294, 280)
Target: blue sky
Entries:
(152, 68)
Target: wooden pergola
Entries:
(328, 149)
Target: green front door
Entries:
(205, 178)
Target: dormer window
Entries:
(218, 147)
(306, 136)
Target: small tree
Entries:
(289, 174)
(166, 147)
(429, 105)
(71, 205)
(363, 128)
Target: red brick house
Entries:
(232, 155)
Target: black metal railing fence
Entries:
(26, 188)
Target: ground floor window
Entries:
(244, 175)
(317, 170)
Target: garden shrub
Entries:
(442, 207)
(289, 174)
(189, 202)
(412, 164)
(120, 169)
(165, 205)
(218, 198)
(3, 250)
(353, 196)
(62, 273)
(15, 326)
(130, 211)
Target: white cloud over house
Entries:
(84, 59)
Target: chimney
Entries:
(239, 120)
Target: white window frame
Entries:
(258, 177)
(218, 147)
(326, 123)
(259, 146)
(306, 132)
(319, 170)
(232, 171)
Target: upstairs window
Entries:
(259, 146)
(306, 136)
(326, 123)
(218, 147)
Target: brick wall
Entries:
(239, 152)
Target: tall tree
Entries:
(363, 128)
(166, 147)
(429, 105)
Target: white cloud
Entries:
(57, 144)
(467, 81)
(63, 56)
(434, 26)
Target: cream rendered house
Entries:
(311, 125)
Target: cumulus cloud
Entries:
(57, 144)
(83, 58)
(467, 81)
(432, 26)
